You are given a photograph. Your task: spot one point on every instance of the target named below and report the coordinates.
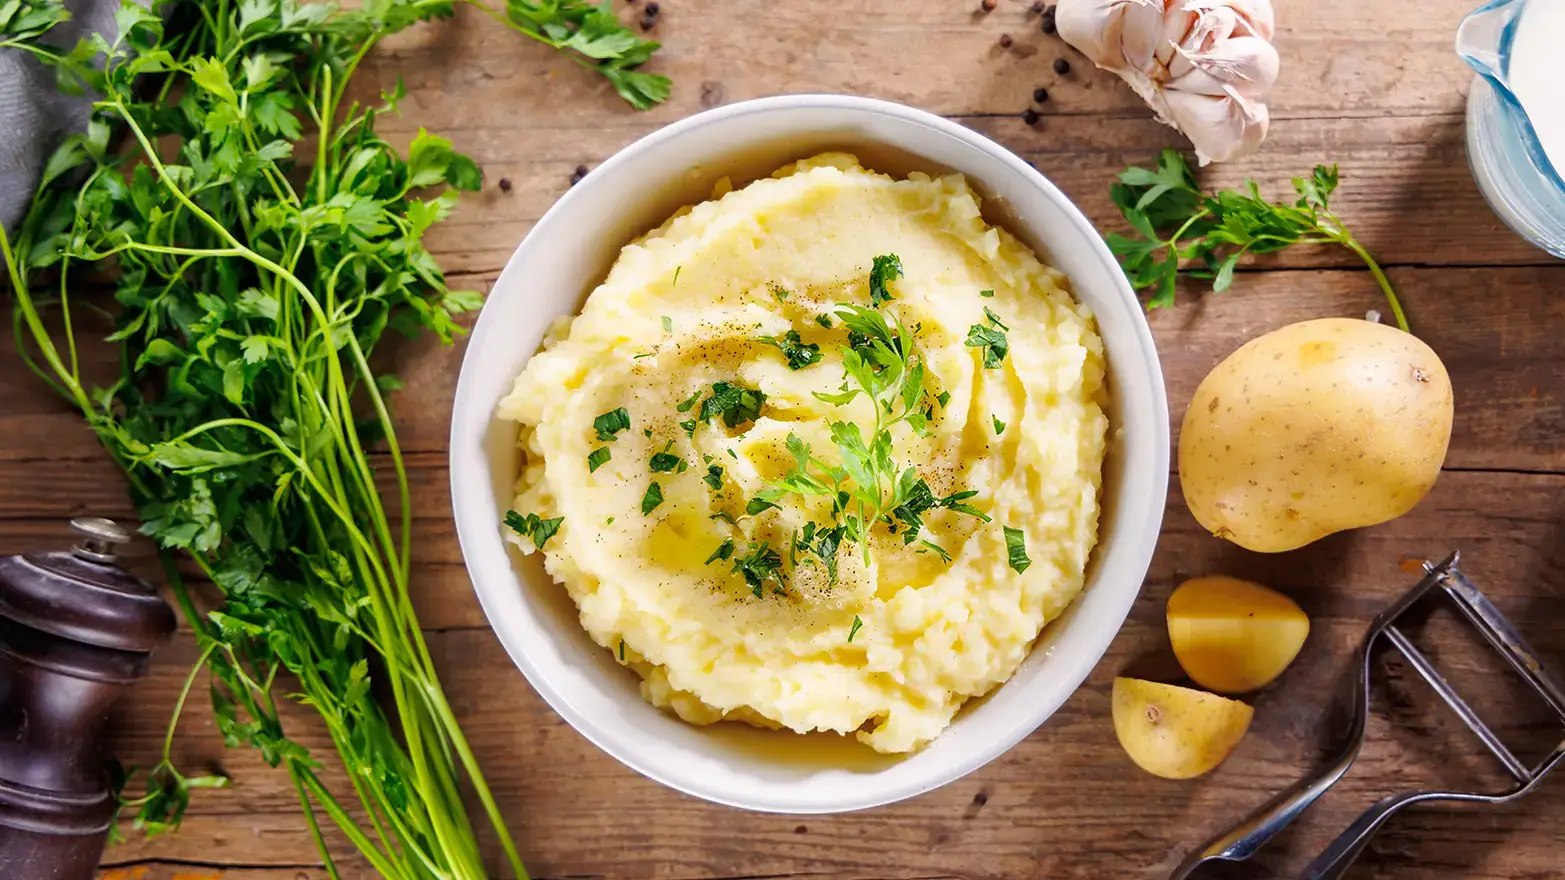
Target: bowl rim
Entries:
(1069, 677)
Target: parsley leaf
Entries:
(1178, 228)
(883, 271)
(611, 423)
(714, 477)
(936, 548)
(531, 526)
(734, 402)
(944, 398)
(760, 565)
(723, 552)
(597, 458)
(824, 321)
(989, 337)
(688, 403)
(986, 293)
(666, 462)
(594, 34)
(1016, 549)
(999, 426)
(651, 500)
(794, 350)
(854, 630)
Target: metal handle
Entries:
(99, 538)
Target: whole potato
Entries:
(1314, 428)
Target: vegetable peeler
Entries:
(1243, 840)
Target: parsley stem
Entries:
(1385, 283)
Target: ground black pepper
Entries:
(505, 184)
(1030, 116)
(1039, 95)
(1005, 41)
(1061, 66)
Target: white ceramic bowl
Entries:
(568, 253)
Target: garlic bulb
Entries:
(1203, 65)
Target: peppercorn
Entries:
(1030, 116)
(1061, 66)
(1049, 27)
(653, 8)
(1039, 95)
(581, 171)
(505, 184)
(988, 5)
(1005, 41)
(648, 22)
(1037, 8)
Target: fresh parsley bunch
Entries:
(1182, 228)
(255, 274)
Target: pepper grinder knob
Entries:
(100, 536)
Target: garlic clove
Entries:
(1114, 34)
(1221, 128)
(1244, 65)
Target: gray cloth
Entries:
(34, 114)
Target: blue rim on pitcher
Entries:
(1487, 63)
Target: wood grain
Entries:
(1373, 86)
(1064, 803)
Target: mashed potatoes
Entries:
(886, 641)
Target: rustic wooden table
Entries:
(1371, 84)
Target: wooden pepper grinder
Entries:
(76, 630)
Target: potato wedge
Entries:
(1233, 636)
(1175, 732)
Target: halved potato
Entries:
(1233, 636)
(1175, 732)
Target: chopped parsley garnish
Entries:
(676, 276)
(799, 355)
(723, 552)
(531, 526)
(854, 630)
(1016, 549)
(824, 321)
(882, 272)
(646, 432)
(931, 545)
(731, 454)
(756, 505)
(944, 397)
(666, 462)
(597, 458)
(651, 500)
(688, 403)
(761, 564)
(991, 338)
(645, 354)
(782, 295)
(611, 423)
(986, 293)
(622, 650)
(999, 426)
(690, 427)
(609, 521)
(735, 403)
(668, 324)
(714, 477)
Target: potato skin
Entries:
(1314, 428)
(1175, 732)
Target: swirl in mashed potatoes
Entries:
(892, 642)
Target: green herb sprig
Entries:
(261, 238)
(1181, 228)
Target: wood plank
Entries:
(1340, 58)
(1064, 803)
(1406, 189)
(1496, 330)
(174, 871)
